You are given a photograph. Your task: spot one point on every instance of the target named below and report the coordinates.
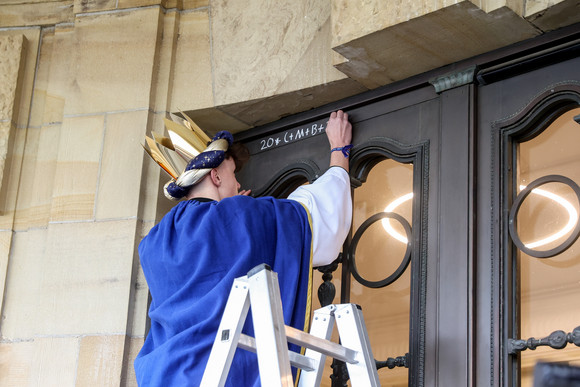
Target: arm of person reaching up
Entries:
(328, 199)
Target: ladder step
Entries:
(328, 348)
(296, 360)
(303, 339)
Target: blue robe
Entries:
(190, 260)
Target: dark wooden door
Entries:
(457, 130)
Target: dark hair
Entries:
(239, 153)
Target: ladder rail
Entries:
(228, 334)
(322, 327)
(260, 290)
(349, 319)
(269, 329)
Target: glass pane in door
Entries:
(380, 251)
(549, 287)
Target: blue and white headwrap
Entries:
(199, 166)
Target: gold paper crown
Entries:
(186, 140)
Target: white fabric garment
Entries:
(329, 202)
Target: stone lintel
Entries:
(431, 41)
(548, 18)
(241, 116)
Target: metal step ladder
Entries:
(260, 289)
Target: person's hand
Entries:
(338, 130)
(245, 192)
(339, 133)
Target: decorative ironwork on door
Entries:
(383, 282)
(543, 264)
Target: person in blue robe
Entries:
(191, 258)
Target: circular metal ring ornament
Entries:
(406, 259)
(517, 205)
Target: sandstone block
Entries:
(12, 179)
(77, 170)
(42, 361)
(84, 6)
(72, 279)
(28, 68)
(35, 13)
(162, 81)
(55, 71)
(551, 15)
(100, 360)
(138, 307)
(259, 47)
(133, 347)
(5, 242)
(24, 284)
(121, 165)
(13, 55)
(191, 84)
(37, 177)
(430, 41)
(109, 61)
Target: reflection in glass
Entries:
(549, 287)
(378, 255)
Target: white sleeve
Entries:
(329, 202)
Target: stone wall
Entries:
(83, 81)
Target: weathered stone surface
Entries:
(55, 69)
(77, 170)
(109, 61)
(138, 304)
(73, 279)
(42, 361)
(6, 129)
(257, 46)
(11, 59)
(442, 37)
(37, 181)
(534, 6)
(24, 284)
(9, 195)
(262, 111)
(84, 6)
(550, 15)
(35, 13)
(28, 68)
(192, 77)
(353, 19)
(162, 81)
(167, 4)
(212, 120)
(100, 360)
(42, 80)
(5, 242)
(121, 165)
(132, 348)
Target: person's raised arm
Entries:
(339, 133)
(328, 199)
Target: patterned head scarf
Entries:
(200, 166)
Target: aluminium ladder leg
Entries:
(229, 331)
(269, 328)
(260, 288)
